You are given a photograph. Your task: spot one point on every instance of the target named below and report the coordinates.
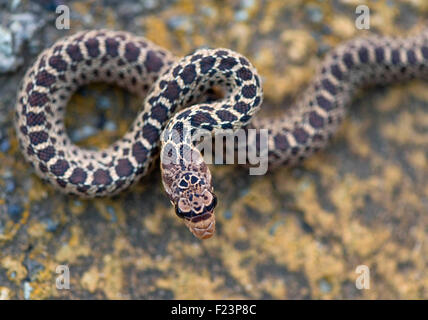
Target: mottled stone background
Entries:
(295, 233)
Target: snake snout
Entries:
(202, 226)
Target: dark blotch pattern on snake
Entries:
(172, 92)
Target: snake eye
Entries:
(182, 208)
(178, 212)
(213, 203)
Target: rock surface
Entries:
(295, 233)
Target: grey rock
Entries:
(103, 103)
(4, 145)
(21, 28)
(180, 23)
(83, 133)
(315, 14)
(149, 4)
(9, 186)
(241, 15)
(8, 61)
(15, 211)
(325, 286)
(110, 126)
(27, 290)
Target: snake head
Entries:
(195, 202)
(191, 193)
(197, 211)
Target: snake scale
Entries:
(172, 91)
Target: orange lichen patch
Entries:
(417, 89)
(272, 9)
(274, 287)
(343, 27)
(156, 30)
(234, 262)
(287, 244)
(256, 198)
(394, 100)
(109, 279)
(82, 7)
(355, 138)
(110, 210)
(363, 241)
(76, 207)
(113, 281)
(155, 221)
(381, 18)
(306, 200)
(46, 283)
(240, 34)
(15, 270)
(90, 279)
(299, 45)
(11, 228)
(5, 293)
(404, 130)
(36, 229)
(75, 247)
(298, 252)
(39, 190)
(196, 286)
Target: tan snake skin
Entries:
(172, 90)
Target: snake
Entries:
(174, 95)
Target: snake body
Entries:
(172, 91)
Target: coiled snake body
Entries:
(173, 91)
